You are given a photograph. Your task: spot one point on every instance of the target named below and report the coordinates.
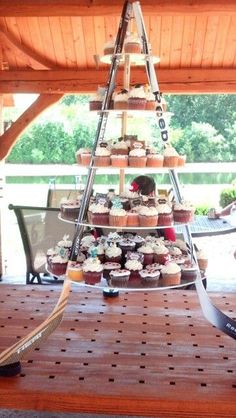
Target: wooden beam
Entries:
(108, 7)
(9, 137)
(38, 62)
(194, 80)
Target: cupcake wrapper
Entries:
(132, 48)
(136, 103)
(171, 279)
(95, 105)
(148, 220)
(117, 220)
(182, 216)
(150, 105)
(171, 161)
(92, 277)
(155, 162)
(120, 105)
(137, 161)
(102, 161)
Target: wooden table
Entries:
(147, 354)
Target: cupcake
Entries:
(99, 214)
(80, 152)
(182, 212)
(137, 157)
(113, 254)
(148, 216)
(171, 157)
(134, 266)
(119, 161)
(109, 46)
(119, 278)
(171, 274)
(96, 101)
(150, 101)
(117, 217)
(202, 260)
(150, 277)
(132, 44)
(121, 100)
(138, 240)
(155, 160)
(108, 267)
(92, 270)
(137, 98)
(147, 252)
(120, 148)
(57, 265)
(64, 246)
(75, 273)
(100, 251)
(85, 157)
(102, 157)
(70, 210)
(126, 245)
(189, 271)
(132, 218)
(165, 214)
(161, 254)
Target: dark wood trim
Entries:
(9, 137)
(107, 7)
(183, 81)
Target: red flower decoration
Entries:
(134, 187)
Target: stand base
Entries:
(110, 293)
(10, 370)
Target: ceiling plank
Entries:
(107, 7)
(39, 61)
(171, 81)
(9, 137)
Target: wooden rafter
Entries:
(71, 81)
(108, 7)
(9, 137)
(9, 40)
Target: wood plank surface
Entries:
(143, 353)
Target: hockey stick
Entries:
(10, 358)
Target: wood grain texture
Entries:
(149, 354)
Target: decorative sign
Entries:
(131, 255)
(101, 198)
(136, 201)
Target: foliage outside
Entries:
(202, 126)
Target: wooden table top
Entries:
(142, 353)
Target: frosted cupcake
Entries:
(148, 216)
(171, 274)
(120, 148)
(92, 270)
(165, 214)
(150, 277)
(96, 101)
(75, 273)
(117, 217)
(113, 254)
(85, 157)
(134, 266)
(137, 157)
(108, 267)
(99, 214)
(161, 254)
(119, 161)
(57, 265)
(155, 160)
(109, 46)
(80, 152)
(150, 101)
(132, 44)
(119, 278)
(64, 244)
(102, 157)
(202, 260)
(132, 218)
(147, 252)
(137, 98)
(121, 100)
(182, 212)
(171, 157)
(100, 251)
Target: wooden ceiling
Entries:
(48, 46)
